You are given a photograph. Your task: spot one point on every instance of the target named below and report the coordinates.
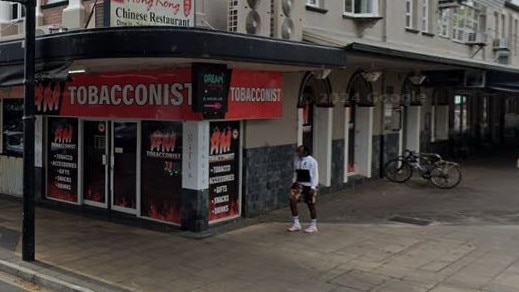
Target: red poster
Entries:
(157, 95)
(255, 95)
(62, 154)
(224, 170)
(161, 178)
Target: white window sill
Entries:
(361, 16)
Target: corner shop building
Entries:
(123, 136)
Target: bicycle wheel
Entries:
(398, 170)
(446, 175)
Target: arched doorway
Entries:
(358, 127)
(307, 105)
(315, 112)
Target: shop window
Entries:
(361, 7)
(12, 138)
(460, 121)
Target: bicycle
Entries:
(442, 173)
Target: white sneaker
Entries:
(311, 229)
(294, 227)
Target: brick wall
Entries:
(53, 13)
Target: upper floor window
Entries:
(312, 2)
(409, 13)
(17, 11)
(361, 7)
(515, 31)
(464, 22)
(496, 25)
(425, 15)
(444, 22)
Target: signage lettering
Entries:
(151, 12)
(140, 94)
(224, 170)
(164, 95)
(242, 94)
(62, 152)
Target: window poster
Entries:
(62, 155)
(224, 165)
(161, 178)
(94, 168)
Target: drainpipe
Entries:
(39, 13)
(382, 128)
(384, 19)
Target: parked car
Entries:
(13, 141)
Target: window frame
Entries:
(425, 19)
(409, 8)
(317, 3)
(444, 23)
(20, 11)
(12, 126)
(374, 5)
(465, 21)
(460, 115)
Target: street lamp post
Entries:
(28, 229)
(28, 237)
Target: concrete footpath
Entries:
(364, 252)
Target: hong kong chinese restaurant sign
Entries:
(157, 95)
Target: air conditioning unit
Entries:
(500, 44)
(503, 57)
(50, 29)
(445, 4)
(249, 17)
(287, 19)
(476, 38)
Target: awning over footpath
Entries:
(195, 44)
(12, 75)
(503, 81)
(499, 77)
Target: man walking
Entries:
(304, 188)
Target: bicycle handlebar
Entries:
(411, 153)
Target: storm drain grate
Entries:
(410, 220)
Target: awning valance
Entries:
(12, 75)
(502, 81)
